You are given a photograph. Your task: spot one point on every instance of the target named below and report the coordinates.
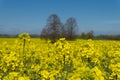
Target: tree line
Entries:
(55, 29)
(83, 35)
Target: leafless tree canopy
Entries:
(71, 28)
(54, 29)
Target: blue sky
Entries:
(101, 16)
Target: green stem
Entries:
(24, 46)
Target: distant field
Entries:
(12, 40)
(37, 59)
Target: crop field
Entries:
(37, 59)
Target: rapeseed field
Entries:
(26, 58)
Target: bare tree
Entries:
(54, 28)
(71, 28)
